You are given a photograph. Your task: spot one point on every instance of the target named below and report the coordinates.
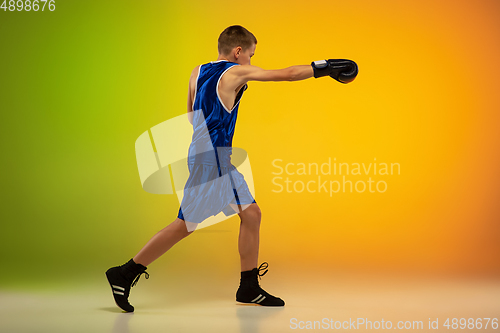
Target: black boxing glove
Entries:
(342, 70)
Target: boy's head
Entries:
(237, 44)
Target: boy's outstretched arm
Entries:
(292, 73)
(341, 70)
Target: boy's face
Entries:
(244, 56)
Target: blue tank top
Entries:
(213, 123)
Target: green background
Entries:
(78, 86)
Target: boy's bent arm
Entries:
(190, 107)
(192, 88)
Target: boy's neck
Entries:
(221, 57)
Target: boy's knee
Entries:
(253, 212)
(257, 211)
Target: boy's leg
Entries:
(122, 278)
(248, 239)
(249, 290)
(162, 242)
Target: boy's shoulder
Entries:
(195, 70)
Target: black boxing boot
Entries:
(250, 291)
(121, 279)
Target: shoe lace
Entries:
(262, 267)
(137, 278)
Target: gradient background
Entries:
(80, 84)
